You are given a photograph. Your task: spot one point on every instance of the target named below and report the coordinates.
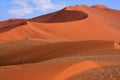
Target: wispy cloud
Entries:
(20, 8)
(23, 7)
(20, 3)
(44, 4)
(21, 11)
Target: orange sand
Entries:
(75, 43)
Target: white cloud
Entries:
(21, 3)
(44, 4)
(20, 8)
(23, 7)
(18, 12)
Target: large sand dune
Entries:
(75, 43)
(69, 24)
(27, 52)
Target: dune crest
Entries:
(99, 6)
(78, 68)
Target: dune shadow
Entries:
(11, 26)
(61, 16)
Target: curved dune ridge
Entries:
(76, 43)
(62, 16)
(104, 73)
(11, 23)
(79, 68)
(66, 70)
(100, 6)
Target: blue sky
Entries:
(32, 8)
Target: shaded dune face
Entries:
(11, 24)
(63, 16)
(103, 73)
(66, 16)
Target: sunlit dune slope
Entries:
(104, 73)
(66, 70)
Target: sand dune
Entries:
(21, 52)
(76, 43)
(11, 23)
(72, 23)
(79, 68)
(61, 16)
(104, 73)
(53, 70)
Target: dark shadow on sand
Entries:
(61, 16)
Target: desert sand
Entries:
(76, 43)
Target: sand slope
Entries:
(20, 52)
(45, 71)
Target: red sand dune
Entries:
(11, 22)
(75, 43)
(29, 53)
(79, 68)
(72, 23)
(49, 71)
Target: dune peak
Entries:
(76, 7)
(83, 6)
(100, 6)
